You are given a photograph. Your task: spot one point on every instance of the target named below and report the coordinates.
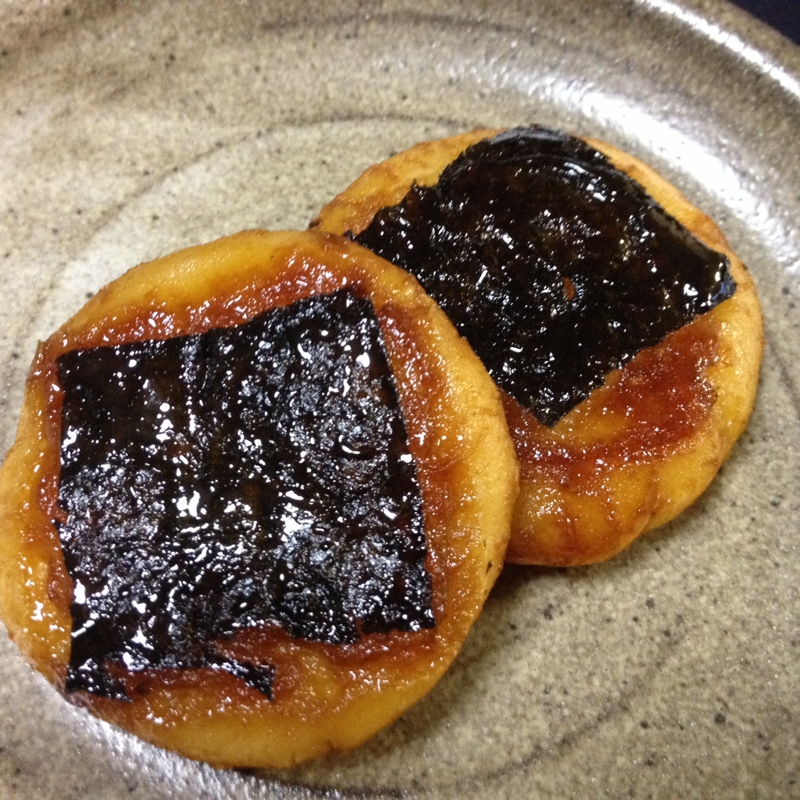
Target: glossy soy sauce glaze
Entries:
(249, 476)
(647, 410)
(556, 267)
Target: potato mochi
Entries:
(167, 565)
(642, 437)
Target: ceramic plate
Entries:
(128, 130)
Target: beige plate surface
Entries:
(130, 129)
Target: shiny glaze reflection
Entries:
(247, 476)
(556, 267)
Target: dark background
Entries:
(781, 14)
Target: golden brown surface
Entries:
(326, 697)
(648, 442)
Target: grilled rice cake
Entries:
(259, 493)
(624, 448)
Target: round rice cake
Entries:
(647, 442)
(298, 673)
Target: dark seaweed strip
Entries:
(555, 266)
(236, 478)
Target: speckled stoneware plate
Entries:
(128, 130)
